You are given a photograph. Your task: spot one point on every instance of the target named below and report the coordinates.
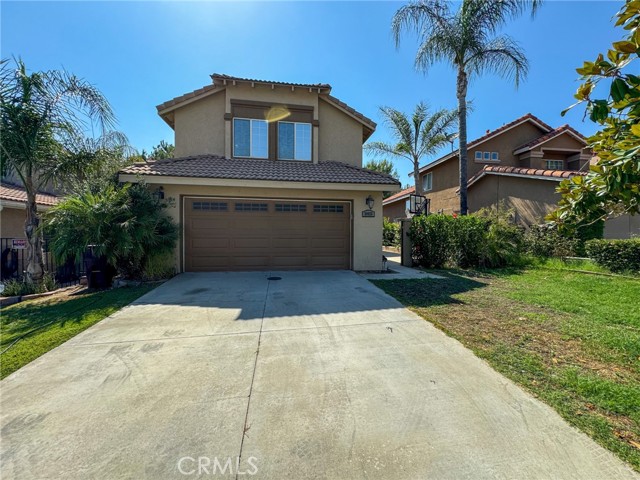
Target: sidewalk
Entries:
(397, 271)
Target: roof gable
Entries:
(555, 133)
(530, 173)
(493, 134)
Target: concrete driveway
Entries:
(316, 375)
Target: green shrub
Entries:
(158, 267)
(546, 241)
(390, 233)
(432, 240)
(486, 239)
(126, 224)
(17, 287)
(504, 240)
(467, 238)
(615, 255)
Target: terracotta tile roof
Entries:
(548, 136)
(490, 134)
(186, 96)
(214, 166)
(222, 77)
(534, 173)
(15, 193)
(399, 196)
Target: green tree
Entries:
(162, 150)
(420, 135)
(382, 166)
(612, 186)
(43, 114)
(467, 39)
(127, 224)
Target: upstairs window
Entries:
(487, 157)
(427, 182)
(554, 164)
(294, 141)
(250, 138)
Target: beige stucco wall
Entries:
(367, 232)
(395, 210)
(340, 136)
(200, 127)
(531, 199)
(12, 222)
(624, 226)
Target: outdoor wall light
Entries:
(370, 201)
(159, 193)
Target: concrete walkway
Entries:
(397, 272)
(316, 375)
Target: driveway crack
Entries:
(246, 426)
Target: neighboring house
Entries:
(13, 204)
(268, 176)
(518, 165)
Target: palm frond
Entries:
(502, 56)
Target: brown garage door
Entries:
(241, 234)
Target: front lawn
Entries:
(32, 328)
(571, 339)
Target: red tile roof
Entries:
(15, 193)
(214, 166)
(399, 196)
(548, 136)
(488, 135)
(230, 78)
(533, 173)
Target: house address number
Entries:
(368, 213)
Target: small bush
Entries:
(545, 241)
(615, 255)
(390, 233)
(431, 237)
(504, 240)
(17, 288)
(467, 237)
(158, 267)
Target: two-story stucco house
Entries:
(268, 175)
(518, 165)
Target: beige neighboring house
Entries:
(13, 204)
(519, 165)
(268, 176)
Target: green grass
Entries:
(37, 326)
(572, 339)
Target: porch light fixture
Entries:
(158, 194)
(370, 201)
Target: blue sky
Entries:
(142, 53)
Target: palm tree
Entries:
(468, 40)
(419, 136)
(43, 114)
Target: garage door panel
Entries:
(207, 243)
(266, 234)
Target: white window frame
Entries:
(251, 120)
(560, 162)
(497, 154)
(430, 176)
(294, 159)
(478, 156)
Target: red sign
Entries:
(19, 243)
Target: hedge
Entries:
(615, 255)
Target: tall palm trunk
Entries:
(35, 264)
(416, 175)
(462, 119)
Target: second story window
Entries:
(294, 141)
(427, 182)
(554, 164)
(250, 138)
